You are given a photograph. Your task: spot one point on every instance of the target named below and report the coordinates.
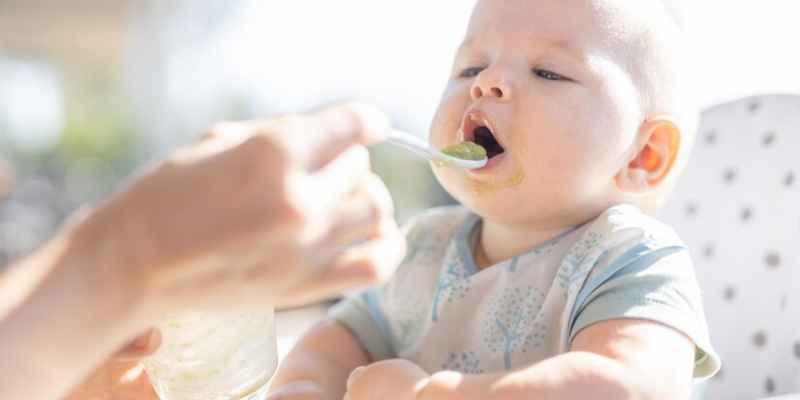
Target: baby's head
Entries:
(582, 104)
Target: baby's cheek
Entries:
(440, 133)
(566, 175)
(443, 129)
(551, 157)
(587, 150)
(451, 109)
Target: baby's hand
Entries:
(386, 380)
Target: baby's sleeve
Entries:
(363, 317)
(652, 283)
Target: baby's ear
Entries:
(657, 149)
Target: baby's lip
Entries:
(475, 118)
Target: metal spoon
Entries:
(420, 147)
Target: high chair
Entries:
(737, 206)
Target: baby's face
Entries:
(544, 86)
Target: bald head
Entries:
(654, 50)
(661, 71)
(651, 44)
(651, 36)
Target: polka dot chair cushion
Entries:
(738, 208)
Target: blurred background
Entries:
(92, 89)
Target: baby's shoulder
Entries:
(622, 238)
(436, 224)
(627, 224)
(429, 234)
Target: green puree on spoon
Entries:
(466, 151)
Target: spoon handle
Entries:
(412, 143)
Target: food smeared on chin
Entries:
(466, 151)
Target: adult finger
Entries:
(302, 390)
(330, 131)
(332, 185)
(360, 216)
(369, 263)
(144, 345)
(372, 262)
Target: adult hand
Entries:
(255, 214)
(281, 211)
(122, 377)
(301, 390)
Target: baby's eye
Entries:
(471, 72)
(549, 75)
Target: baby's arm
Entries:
(318, 366)
(616, 359)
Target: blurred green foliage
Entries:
(100, 145)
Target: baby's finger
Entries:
(354, 376)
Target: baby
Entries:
(552, 281)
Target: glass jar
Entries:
(214, 356)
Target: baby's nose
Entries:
(490, 85)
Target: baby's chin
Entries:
(484, 192)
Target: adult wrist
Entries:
(65, 315)
(93, 250)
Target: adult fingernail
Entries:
(376, 123)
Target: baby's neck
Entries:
(496, 243)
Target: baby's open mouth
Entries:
(478, 129)
(484, 137)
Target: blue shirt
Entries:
(442, 313)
